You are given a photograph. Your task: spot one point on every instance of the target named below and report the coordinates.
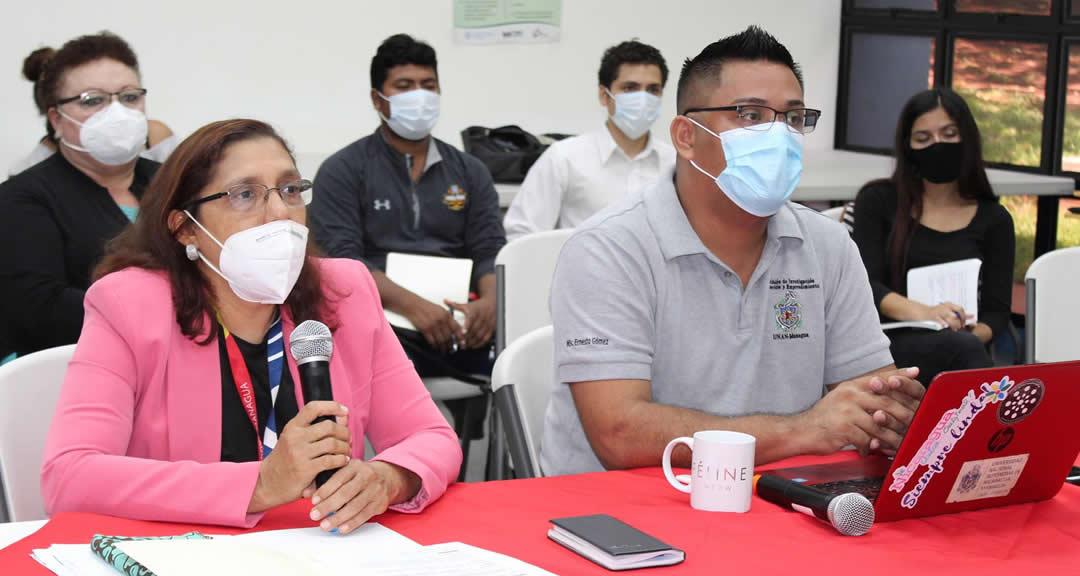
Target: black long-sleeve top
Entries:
(55, 222)
(989, 237)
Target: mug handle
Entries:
(681, 487)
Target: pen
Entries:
(453, 336)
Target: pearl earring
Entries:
(192, 252)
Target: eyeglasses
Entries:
(94, 100)
(246, 198)
(755, 117)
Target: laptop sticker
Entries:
(1000, 440)
(990, 478)
(1021, 401)
(949, 430)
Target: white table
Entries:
(11, 532)
(837, 175)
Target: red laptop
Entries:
(980, 438)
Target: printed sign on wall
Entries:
(507, 21)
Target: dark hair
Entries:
(151, 245)
(973, 183)
(630, 52)
(399, 50)
(46, 67)
(752, 44)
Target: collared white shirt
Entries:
(577, 177)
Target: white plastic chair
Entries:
(1052, 317)
(523, 272)
(836, 213)
(523, 378)
(29, 388)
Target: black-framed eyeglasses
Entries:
(248, 197)
(758, 117)
(94, 100)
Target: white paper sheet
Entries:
(336, 551)
(450, 559)
(217, 557)
(432, 278)
(311, 547)
(956, 282)
(72, 560)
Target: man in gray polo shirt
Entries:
(712, 302)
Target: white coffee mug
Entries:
(721, 471)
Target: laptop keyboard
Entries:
(868, 487)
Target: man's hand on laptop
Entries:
(479, 320)
(901, 386)
(436, 324)
(871, 412)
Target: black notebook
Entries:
(611, 543)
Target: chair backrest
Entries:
(523, 272)
(836, 213)
(29, 387)
(522, 380)
(1051, 317)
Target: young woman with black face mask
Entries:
(937, 207)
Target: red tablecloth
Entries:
(512, 518)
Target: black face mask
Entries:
(938, 163)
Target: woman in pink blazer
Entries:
(168, 412)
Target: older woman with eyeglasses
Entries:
(181, 402)
(58, 214)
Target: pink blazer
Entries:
(137, 428)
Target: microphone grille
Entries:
(851, 514)
(310, 340)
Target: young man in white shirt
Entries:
(576, 177)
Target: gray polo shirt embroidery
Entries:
(636, 295)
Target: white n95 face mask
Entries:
(113, 136)
(635, 112)
(412, 114)
(261, 264)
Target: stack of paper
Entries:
(956, 282)
(370, 550)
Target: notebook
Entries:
(612, 543)
(432, 278)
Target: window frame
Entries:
(1058, 31)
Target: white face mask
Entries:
(412, 114)
(261, 264)
(113, 136)
(635, 112)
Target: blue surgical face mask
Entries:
(635, 112)
(763, 167)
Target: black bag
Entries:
(507, 151)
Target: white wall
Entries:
(303, 64)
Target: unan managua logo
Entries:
(788, 313)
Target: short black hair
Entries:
(630, 52)
(399, 50)
(751, 44)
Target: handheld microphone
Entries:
(311, 347)
(851, 514)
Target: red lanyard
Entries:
(242, 380)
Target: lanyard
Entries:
(242, 378)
